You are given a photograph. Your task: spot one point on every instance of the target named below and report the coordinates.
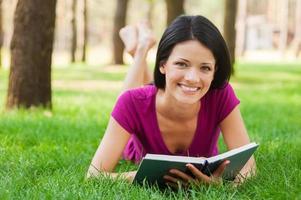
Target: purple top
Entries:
(135, 111)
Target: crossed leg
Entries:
(138, 40)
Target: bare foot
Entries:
(129, 36)
(146, 37)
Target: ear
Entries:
(215, 68)
(162, 68)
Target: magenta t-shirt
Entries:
(135, 111)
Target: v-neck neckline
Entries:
(159, 134)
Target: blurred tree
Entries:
(296, 43)
(149, 15)
(230, 11)
(174, 9)
(85, 15)
(241, 27)
(119, 22)
(1, 33)
(74, 31)
(31, 49)
(283, 26)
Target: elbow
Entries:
(92, 173)
(89, 175)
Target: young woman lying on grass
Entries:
(185, 109)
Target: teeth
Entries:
(190, 89)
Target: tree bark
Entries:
(31, 50)
(229, 27)
(73, 32)
(85, 15)
(174, 9)
(119, 22)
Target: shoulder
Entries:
(224, 92)
(132, 106)
(137, 99)
(221, 101)
(141, 93)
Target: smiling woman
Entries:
(185, 109)
(189, 71)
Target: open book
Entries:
(154, 166)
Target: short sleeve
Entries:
(123, 112)
(227, 102)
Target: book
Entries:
(153, 167)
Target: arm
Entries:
(235, 135)
(109, 152)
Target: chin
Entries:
(188, 100)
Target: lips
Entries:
(190, 89)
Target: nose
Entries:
(192, 75)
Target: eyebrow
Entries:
(206, 63)
(184, 59)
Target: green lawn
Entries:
(45, 154)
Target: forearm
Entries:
(129, 176)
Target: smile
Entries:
(186, 88)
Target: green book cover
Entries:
(154, 166)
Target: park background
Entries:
(67, 66)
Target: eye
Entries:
(181, 64)
(206, 68)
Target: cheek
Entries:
(208, 81)
(172, 75)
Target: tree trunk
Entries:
(229, 27)
(73, 32)
(150, 10)
(31, 49)
(119, 22)
(296, 43)
(1, 34)
(241, 27)
(174, 9)
(85, 15)
(283, 26)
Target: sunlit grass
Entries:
(45, 154)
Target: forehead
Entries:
(192, 50)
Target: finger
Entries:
(185, 177)
(170, 179)
(220, 170)
(173, 180)
(172, 185)
(198, 174)
(178, 184)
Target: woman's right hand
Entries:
(177, 177)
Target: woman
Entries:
(184, 111)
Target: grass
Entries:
(45, 155)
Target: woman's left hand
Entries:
(178, 177)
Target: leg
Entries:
(138, 73)
(129, 36)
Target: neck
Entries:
(172, 109)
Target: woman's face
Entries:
(189, 71)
